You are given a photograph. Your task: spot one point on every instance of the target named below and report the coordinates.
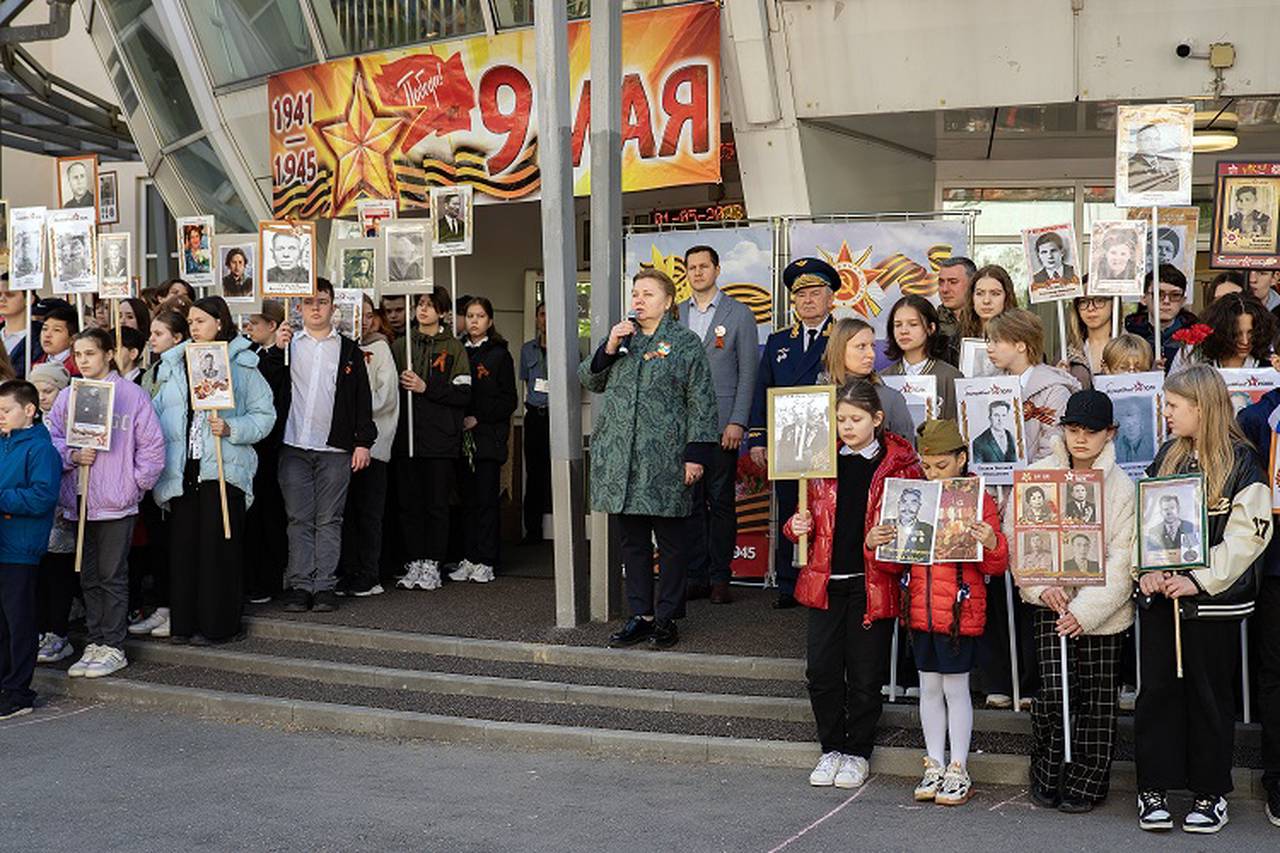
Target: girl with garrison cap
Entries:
(945, 606)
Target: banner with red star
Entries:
(392, 125)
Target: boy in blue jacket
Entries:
(30, 475)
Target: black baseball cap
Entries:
(1089, 409)
(47, 304)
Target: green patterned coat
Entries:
(657, 400)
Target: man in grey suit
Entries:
(728, 331)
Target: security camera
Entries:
(1183, 50)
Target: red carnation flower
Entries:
(1193, 335)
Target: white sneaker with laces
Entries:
(163, 629)
(412, 571)
(930, 782)
(1207, 815)
(824, 774)
(429, 577)
(80, 667)
(999, 700)
(145, 626)
(956, 787)
(55, 649)
(853, 771)
(463, 572)
(481, 573)
(108, 660)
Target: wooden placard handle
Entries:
(222, 487)
(802, 543)
(84, 506)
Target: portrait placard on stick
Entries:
(408, 248)
(1245, 215)
(451, 217)
(974, 361)
(73, 250)
(1054, 259)
(1153, 154)
(1058, 528)
(115, 267)
(911, 506)
(286, 259)
(78, 183)
(348, 310)
(26, 248)
(1137, 400)
(1247, 385)
(1172, 520)
(801, 432)
(195, 249)
(359, 264)
(209, 378)
(89, 407)
(990, 415)
(371, 213)
(1117, 258)
(1176, 237)
(235, 258)
(959, 508)
(921, 393)
(108, 198)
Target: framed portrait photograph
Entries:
(920, 392)
(1245, 213)
(348, 308)
(1172, 520)
(1137, 400)
(108, 198)
(1153, 154)
(73, 248)
(359, 264)
(1248, 385)
(1058, 527)
(89, 405)
(1036, 555)
(1053, 257)
(801, 432)
(1117, 258)
(990, 418)
(115, 265)
(209, 376)
(1176, 234)
(451, 220)
(974, 361)
(1036, 503)
(408, 252)
(195, 249)
(1080, 503)
(286, 259)
(1082, 558)
(371, 213)
(235, 257)
(911, 506)
(959, 507)
(26, 248)
(78, 182)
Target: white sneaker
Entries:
(54, 649)
(429, 576)
(853, 771)
(930, 782)
(824, 774)
(146, 626)
(412, 571)
(463, 572)
(956, 787)
(481, 573)
(1128, 697)
(162, 630)
(108, 660)
(999, 700)
(80, 667)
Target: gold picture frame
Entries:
(801, 432)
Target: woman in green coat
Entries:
(653, 436)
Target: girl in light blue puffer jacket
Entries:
(206, 568)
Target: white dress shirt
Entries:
(313, 374)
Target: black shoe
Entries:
(1070, 805)
(785, 601)
(635, 631)
(665, 634)
(695, 591)
(1153, 811)
(1208, 814)
(720, 593)
(11, 707)
(1273, 805)
(296, 601)
(325, 601)
(1044, 798)
(179, 640)
(201, 641)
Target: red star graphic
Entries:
(361, 140)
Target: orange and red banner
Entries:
(391, 125)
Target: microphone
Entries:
(624, 346)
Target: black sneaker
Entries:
(1044, 798)
(636, 630)
(1072, 805)
(296, 601)
(1153, 811)
(1208, 814)
(1273, 805)
(324, 601)
(785, 601)
(665, 634)
(11, 707)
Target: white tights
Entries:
(945, 705)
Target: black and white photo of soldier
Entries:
(997, 443)
(1149, 169)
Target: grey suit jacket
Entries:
(734, 366)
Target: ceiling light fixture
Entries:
(1215, 131)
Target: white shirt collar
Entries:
(333, 333)
(471, 343)
(1025, 377)
(868, 452)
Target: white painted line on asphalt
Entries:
(793, 839)
(44, 718)
(1011, 801)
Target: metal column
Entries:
(551, 47)
(606, 259)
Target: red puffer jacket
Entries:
(883, 601)
(933, 589)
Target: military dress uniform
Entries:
(789, 361)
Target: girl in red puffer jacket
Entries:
(853, 596)
(946, 608)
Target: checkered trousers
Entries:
(1093, 664)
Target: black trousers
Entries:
(265, 526)
(424, 486)
(786, 496)
(19, 639)
(362, 525)
(149, 563)
(846, 666)
(994, 671)
(537, 470)
(481, 511)
(1093, 667)
(637, 533)
(56, 585)
(713, 526)
(206, 582)
(1184, 728)
(1265, 625)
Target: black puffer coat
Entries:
(493, 398)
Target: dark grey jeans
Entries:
(314, 484)
(104, 580)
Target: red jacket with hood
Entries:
(883, 601)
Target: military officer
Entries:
(792, 357)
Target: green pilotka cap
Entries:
(939, 437)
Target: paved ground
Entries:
(76, 776)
